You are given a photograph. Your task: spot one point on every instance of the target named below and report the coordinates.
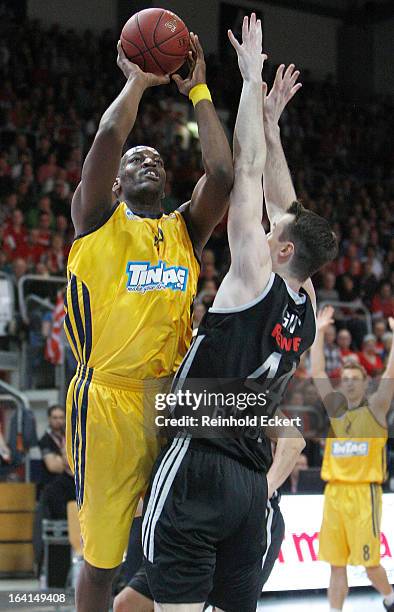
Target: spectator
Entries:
(15, 236)
(328, 293)
(344, 341)
(43, 206)
(199, 311)
(383, 302)
(379, 329)
(52, 444)
(369, 358)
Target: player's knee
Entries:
(372, 570)
(98, 575)
(338, 572)
(123, 601)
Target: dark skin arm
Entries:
(209, 200)
(93, 197)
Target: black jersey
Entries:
(246, 354)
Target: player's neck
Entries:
(292, 282)
(144, 206)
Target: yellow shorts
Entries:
(111, 447)
(350, 532)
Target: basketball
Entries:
(156, 40)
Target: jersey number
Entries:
(273, 387)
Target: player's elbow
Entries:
(251, 166)
(222, 174)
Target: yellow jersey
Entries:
(131, 285)
(358, 452)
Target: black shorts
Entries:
(203, 531)
(275, 528)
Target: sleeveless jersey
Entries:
(252, 349)
(131, 285)
(358, 452)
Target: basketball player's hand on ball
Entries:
(284, 88)
(325, 318)
(250, 56)
(129, 70)
(197, 69)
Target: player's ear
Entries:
(116, 188)
(286, 252)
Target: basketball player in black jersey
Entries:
(202, 531)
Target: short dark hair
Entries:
(54, 407)
(315, 244)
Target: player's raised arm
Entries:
(380, 401)
(251, 264)
(318, 362)
(209, 200)
(93, 198)
(279, 190)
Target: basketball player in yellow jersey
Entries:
(132, 275)
(354, 467)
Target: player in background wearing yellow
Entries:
(132, 277)
(354, 467)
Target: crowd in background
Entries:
(54, 86)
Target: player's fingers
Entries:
(259, 32)
(294, 77)
(245, 29)
(233, 40)
(289, 72)
(279, 76)
(177, 79)
(199, 49)
(265, 89)
(121, 53)
(294, 90)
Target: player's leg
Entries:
(333, 543)
(111, 460)
(275, 527)
(378, 577)
(237, 578)
(189, 508)
(338, 587)
(365, 542)
(130, 600)
(93, 591)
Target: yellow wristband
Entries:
(198, 93)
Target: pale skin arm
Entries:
(380, 401)
(279, 190)
(324, 319)
(289, 446)
(251, 264)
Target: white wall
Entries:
(290, 36)
(96, 15)
(383, 55)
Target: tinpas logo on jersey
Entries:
(349, 448)
(142, 276)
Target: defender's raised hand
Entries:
(325, 318)
(284, 88)
(197, 69)
(250, 56)
(130, 69)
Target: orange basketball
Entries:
(157, 40)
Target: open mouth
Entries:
(152, 174)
